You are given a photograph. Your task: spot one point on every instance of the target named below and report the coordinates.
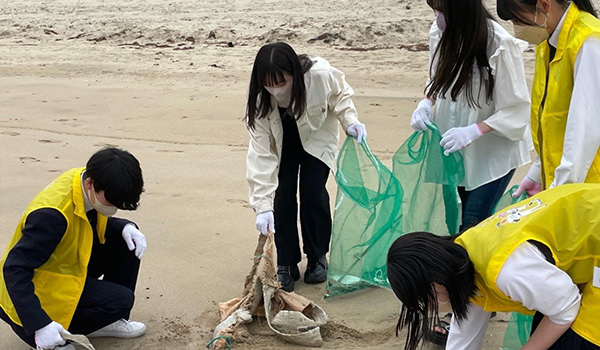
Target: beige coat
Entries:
(328, 103)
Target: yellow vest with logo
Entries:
(548, 121)
(567, 220)
(59, 282)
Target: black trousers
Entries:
(299, 167)
(102, 301)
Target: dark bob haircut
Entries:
(270, 63)
(414, 262)
(118, 174)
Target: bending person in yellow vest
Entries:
(565, 101)
(66, 240)
(538, 256)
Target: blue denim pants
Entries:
(478, 204)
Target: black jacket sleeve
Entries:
(43, 230)
(114, 227)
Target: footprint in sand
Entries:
(239, 201)
(169, 151)
(49, 141)
(28, 159)
(10, 133)
(105, 145)
(238, 147)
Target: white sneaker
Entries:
(65, 347)
(120, 329)
(62, 347)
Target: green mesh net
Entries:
(519, 325)
(374, 206)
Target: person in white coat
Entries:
(477, 95)
(294, 111)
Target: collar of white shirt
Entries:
(553, 40)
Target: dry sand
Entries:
(167, 80)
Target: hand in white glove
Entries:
(48, 337)
(422, 115)
(358, 131)
(265, 222)
(459, 138)
(135, 240)
(528, 185)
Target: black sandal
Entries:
(438, 337)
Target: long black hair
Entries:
(414, 262)
(117, 173)
(513, 10)
(462, 48)
(270, 63)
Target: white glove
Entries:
(135, 240)
(422, 115)
(459, 138)
(48, 337)
(265, 222)
(358, 131)
(528, 185)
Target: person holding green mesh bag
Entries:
(477, 95)
(295, 108)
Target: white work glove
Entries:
(528, 185)
(265, 222)
(48, 337)
(422, 115)
(459, 138)
(358, 131)
(135, 240)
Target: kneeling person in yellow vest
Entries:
(66, 240)
(538, 256)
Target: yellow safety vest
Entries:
(549, 120)
(564, 218)
(59, 282)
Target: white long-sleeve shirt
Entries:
(508, 114)
(526, 277)
(582, 133)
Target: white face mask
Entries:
(283, 94)
(534, 34)
(440, 20)
(106, 210)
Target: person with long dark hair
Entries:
(565, 107)
(477, 95)
(294, 111)
(538, 256)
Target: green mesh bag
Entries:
(374, 206)
(430, 179)
(519, 326)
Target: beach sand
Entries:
(167, 81)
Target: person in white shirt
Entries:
(565, 109)
(294, 111)
(539, 256)
(477, 95)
